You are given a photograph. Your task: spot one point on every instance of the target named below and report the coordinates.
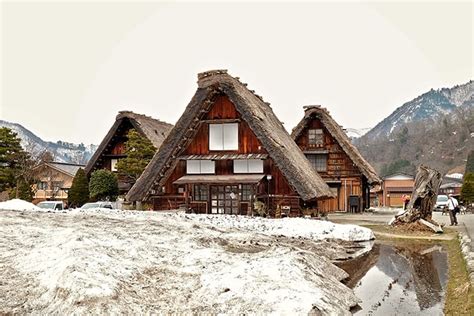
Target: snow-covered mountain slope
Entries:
(356, 132)
(429, 106)
(61, 151)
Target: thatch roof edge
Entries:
(141, 122)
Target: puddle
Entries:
(408, 279)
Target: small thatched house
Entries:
(112, 147)
(332, 155)
(228, 150)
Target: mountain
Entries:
(61, 151)
(436, 129)
(430, 106)
(356, 132)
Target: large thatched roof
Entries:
(155, 130)
(261, 119)
(340, 136)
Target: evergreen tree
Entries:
(14, 161)
(78, 194)
(470, 162)
(139, 151)
(103, 185)
(23, 191)
(467, 190)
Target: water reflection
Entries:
(400, 280)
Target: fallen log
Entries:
(423, 199)
(435, 228)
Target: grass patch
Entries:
(460, 294)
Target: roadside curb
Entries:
(468, 254)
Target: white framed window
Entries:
(200, 167)
(113, 164)
(315, 137)
(248, 166)
(224, 136)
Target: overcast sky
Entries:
(68, 68)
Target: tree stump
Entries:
(423, 199)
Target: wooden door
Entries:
(224, 199)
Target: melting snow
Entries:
(18, 205)
(131, 262)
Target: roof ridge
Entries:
(131, 114)
(66, 163)
(205, 80)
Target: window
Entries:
(318, 161)
(200, 192)
(315, 137)
(57, 185)
(200, 166)
(224, 136)
(246, 192)
(113, 164)
(248, 166)
(42, 185)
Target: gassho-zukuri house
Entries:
(336, 160)
(112, 147)
(226, 151)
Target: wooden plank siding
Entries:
(342, 175)
(223, 109)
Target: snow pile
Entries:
(288, 227)
(18, 205)
(145, 263)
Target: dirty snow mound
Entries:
(288, 227)
(18, 205)
(145, 263)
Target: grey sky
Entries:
(68, 68)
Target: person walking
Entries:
(453, 207)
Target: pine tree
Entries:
(139, 151)
(467, 190)
(103, 185)
(78, 194)
(14, 161)
(470, 162)
(23, 191)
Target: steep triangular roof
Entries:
(155, 130)
(340, 136)
(260, 118)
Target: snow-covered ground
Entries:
(129, 262)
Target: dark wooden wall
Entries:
(339, 168)
(248, 143)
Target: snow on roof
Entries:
(455, 175)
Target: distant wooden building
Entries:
(54, 179)
(336, 160)
(227, 151)
(395, 187)
(451, 184)
(112, 147)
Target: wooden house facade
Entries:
(336, 160)
(395, 187)
(227, 151)
(54, 179)
(112, 147)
